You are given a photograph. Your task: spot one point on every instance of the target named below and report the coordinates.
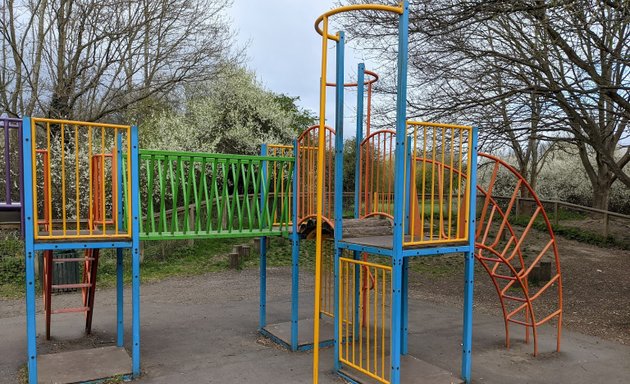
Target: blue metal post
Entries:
(469, 272)
(339, 80)
(404, 329)
(405, 270)
(409, 189)
(357, 183)
(262, 322)
(28, 228)
(295, 256)
(120, 320)
(135, 252)
(359, 139)
(399, 188)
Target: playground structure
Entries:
(423, 177)
(93, 189)
(89, 187)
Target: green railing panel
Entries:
(193, 195)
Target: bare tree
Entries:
(90, 59)
(535, 70)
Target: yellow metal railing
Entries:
(77, 183)
(365, 317)
(439, 157)
(279, 150)
(328, 278)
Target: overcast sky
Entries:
(285, 51)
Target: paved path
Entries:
(203, 330)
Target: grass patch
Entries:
(11, 267)
(574, 233)
(437, 266)
(170, 258)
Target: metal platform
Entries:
(280, 333)
(413, 370)
(84, 365)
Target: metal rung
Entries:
(494, 260)
(70, 310)
(504, 277)
(524, 323)
(514, 298)
(70, 286)
(73, 259)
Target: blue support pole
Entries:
(135, 252)
(28, 228)
(295, 256)
(359, 139)
(408, 188)
(469, 271)
(120, 319)
(262, 321)
(404, 330)
(399, 188)
(339, 88)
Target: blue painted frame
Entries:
(262, 320)
(29, 249)
(120, 318)
(399, 192)
(295, 257)
(135, 252)
(339, 103)
(469, 266)
(358, 138)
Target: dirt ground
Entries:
(596, 287)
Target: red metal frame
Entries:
(376, 148)
(493, 227)
(90, 258)
(306, 175)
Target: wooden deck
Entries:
(386, 242)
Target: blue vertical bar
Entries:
(120, 320)
(262, 320)
(404, 329)
(399, 187)
(134, 199)
(339, 80)
(359, 139)
(409, 189)
(295, 255)
(29, 225)
(469, 271)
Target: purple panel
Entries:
(7, 125)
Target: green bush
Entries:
(11, 261)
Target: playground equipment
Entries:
(294, 334)
(423, 177)
(10, 192)
(89, 187)
(93, 189)
(65, 162)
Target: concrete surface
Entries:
(83, 365)
(203, 329)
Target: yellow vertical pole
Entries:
(319, 200)
(48, 169)
(63, 179)
(76, 178)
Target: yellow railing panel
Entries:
(365, 317)
(76, 181)
(439, 187)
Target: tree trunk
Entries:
(601, 193)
